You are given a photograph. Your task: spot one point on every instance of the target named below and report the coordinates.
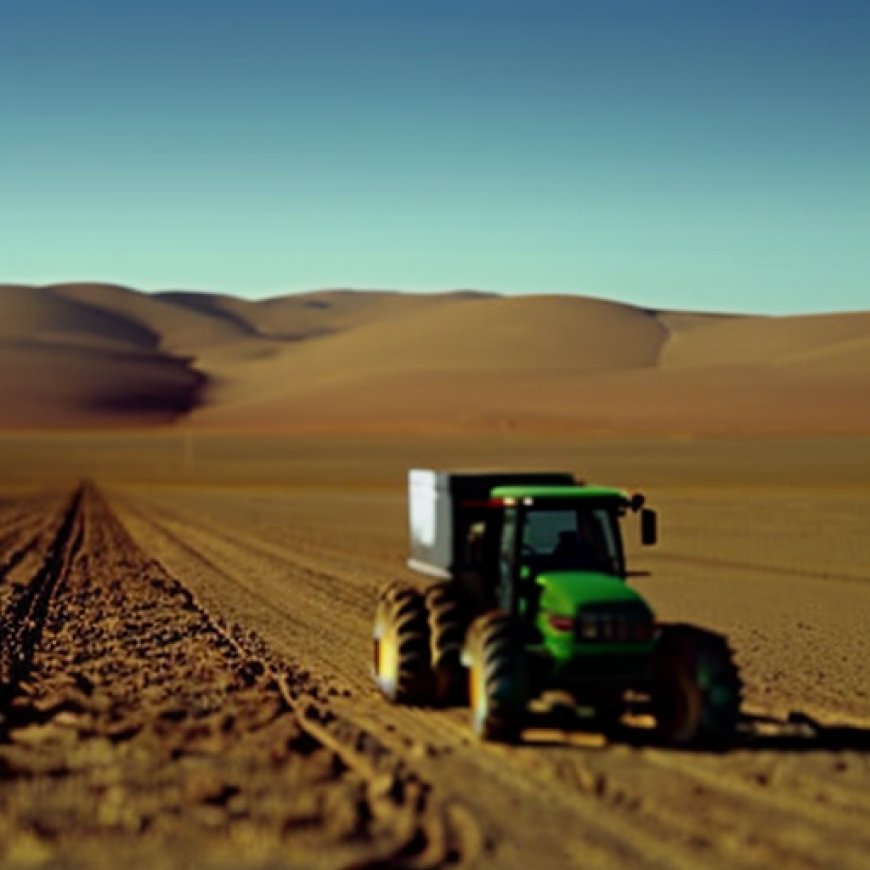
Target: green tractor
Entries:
(527, 597)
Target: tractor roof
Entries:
(559, 492)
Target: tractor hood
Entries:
(564, 592)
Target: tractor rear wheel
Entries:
(496, 679)
(401, 646)
(447, 624)
(696, 687)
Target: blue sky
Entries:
(692, 154)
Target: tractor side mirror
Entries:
(648, 527)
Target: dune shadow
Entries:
(168, 389)
(209, 304)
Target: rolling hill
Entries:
(80, 355)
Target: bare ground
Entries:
(186, 678)
(138, 728)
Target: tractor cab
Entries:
(499, 535)
(562, 545)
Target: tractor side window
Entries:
(506, 557)
(608, 544)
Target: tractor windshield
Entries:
(571, 538)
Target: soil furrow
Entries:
(846, 819)
(22, 530)
(249, 570)
(147, 733)
(23, 617)
(303, 614)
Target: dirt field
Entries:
(186, 644)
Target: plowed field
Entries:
(185, 682)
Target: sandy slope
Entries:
(39, 314)
(176, 329)
(79, 354)
(843, 340)
(310, 315)
(467, 361)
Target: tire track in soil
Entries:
(24, 609)
(137, 729)
(626, 806)
(24, 524)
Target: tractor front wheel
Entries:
(496, 678)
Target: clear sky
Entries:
(672, 153)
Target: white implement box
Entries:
(439, 501)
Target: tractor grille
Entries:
(630, 622)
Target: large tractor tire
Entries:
(497, 687)
(401, 646)
(447, 624)
(696, 688)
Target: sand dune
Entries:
(41, 314)
(97, 354)
(772, 341)
(179, 329)
(469, 363)
(311, 315)
(505, 334)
